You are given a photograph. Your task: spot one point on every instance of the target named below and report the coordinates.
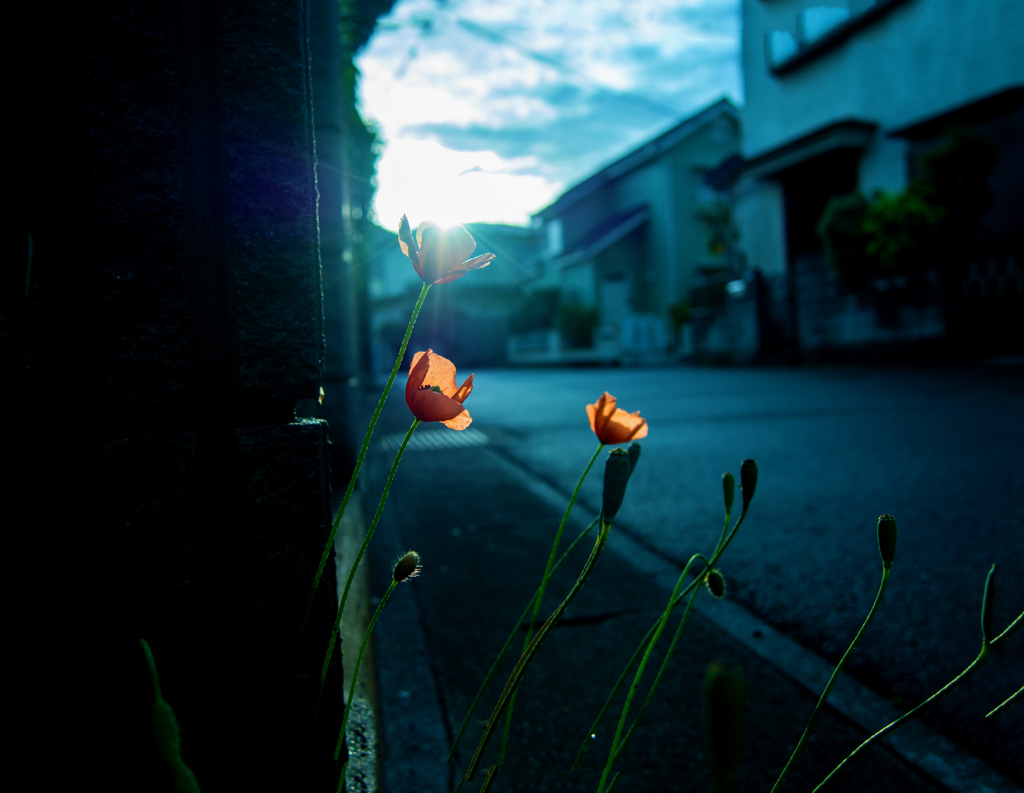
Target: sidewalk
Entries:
(483, 527)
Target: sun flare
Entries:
(426, 181)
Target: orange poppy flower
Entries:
(440, 255)
(431, 393)
(612, 424)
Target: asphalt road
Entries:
(938, 449)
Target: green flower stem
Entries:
(511, 637)
(970, 670)
(355, 676)
(531, 651)
(1009, 629)
(591, 733)
(720, 549)
(612, 753)
(355, 564)
(832, 680)
(650, 632)
(543, 585)
(622, 679)
(1004, 705)
(657, 680)
(328, 547)
(982, 656)
(721, 539)
(492, 774)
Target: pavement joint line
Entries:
(917, 744)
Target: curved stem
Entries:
(723, 542)
(986, 650)
(592, 732)
(982, 656)
(613, 753)
(1009, 629)
(1005, 704)
(543, 585)
(355, 564)
(725, 529)
(527, 657)
(585, 745)
(657, 679)
(492, 774)
(508, 642)
(359, 461)
(355, 676)
(835, 676)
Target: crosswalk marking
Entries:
(431, 439)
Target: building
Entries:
(845, 95)
(625, 245)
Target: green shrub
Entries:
(900, 232)
(576, 323)
(716, 217)
(537, 311)
(680, 313)
(931, 224)
(841, 230)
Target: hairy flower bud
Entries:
(887, 539)
(987, 603)
(748, 481)
(716, 583)
(725, 719)
(407, 567)
(634, 456)
(729, 490)
(616, 475)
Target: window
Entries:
(554, 236)
(816, 22)
(780, 46)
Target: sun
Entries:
(426, 181)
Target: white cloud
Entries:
(543, 82)
(424, 180)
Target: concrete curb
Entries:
(362, 773)
(915, 743)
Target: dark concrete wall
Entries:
(161, 315)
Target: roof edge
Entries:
(647, 151)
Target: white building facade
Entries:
(839, 95)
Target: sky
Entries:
(488, 110)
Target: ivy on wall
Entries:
(932, 224)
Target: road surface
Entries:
(940, 449)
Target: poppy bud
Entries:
(987, 602)
(407, 567)
(716, 583)
(725, 716)
(748, 481)
(634, 456)
(887, 538)
(729, 490)
(616, 475)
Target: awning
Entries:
(604, 235)
(976, 111)
(850, 133)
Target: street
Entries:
(938, 449)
